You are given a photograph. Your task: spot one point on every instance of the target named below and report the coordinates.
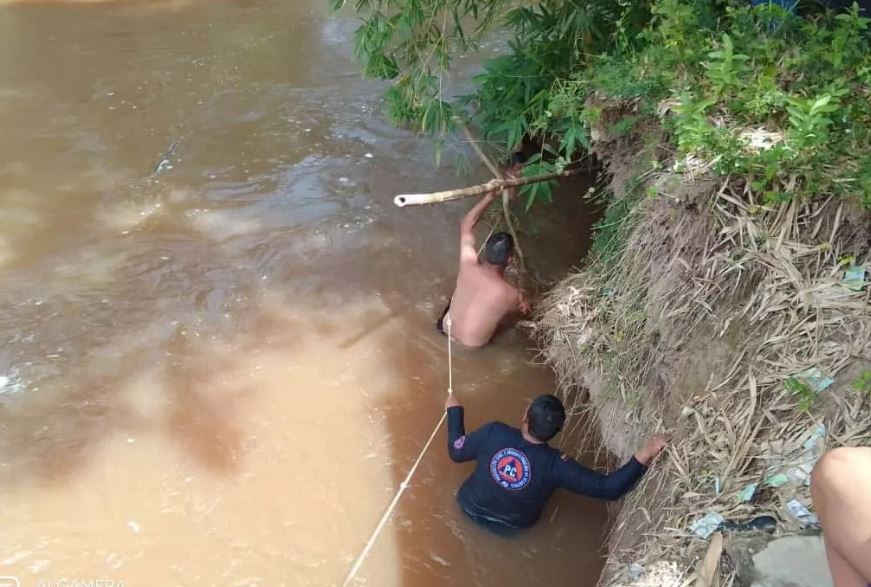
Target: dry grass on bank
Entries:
(715, 303)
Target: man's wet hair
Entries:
(499, 249)
(516, 158)
(545, 417)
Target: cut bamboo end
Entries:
(493, 185)
(403, 200)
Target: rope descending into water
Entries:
(404, 485)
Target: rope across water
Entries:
(404, 485)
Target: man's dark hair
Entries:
(516, 158)
(546, 416)
(499, 249)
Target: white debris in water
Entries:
(11, 384)
(439, 560)
(369, 155)
(164, 258)
(131, 440)
(222, 224)
(39, 565)
(134, 526)
(128, 215)
(11, 560)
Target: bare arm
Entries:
(467, 228)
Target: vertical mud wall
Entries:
(725, 321)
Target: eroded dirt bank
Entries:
(736, 326)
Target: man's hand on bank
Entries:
(452, 402)
(654, 445)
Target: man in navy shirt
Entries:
(516, 471)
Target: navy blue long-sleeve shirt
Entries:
(514, 478)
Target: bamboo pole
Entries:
(506, 211)
(494, 185)
(484, 158)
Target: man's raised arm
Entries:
(461, 446)
(468, 249)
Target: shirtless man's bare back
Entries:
(483, 296)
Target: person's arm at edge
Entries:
(579, 479)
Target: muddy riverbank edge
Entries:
(735, 325)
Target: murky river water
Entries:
(217, 369)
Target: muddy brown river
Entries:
(218, 357)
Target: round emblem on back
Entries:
(510, 469)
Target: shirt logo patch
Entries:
(510, 469)
(458, 443)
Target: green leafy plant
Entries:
(809, 120)
(726, 68)
(803, 390)
(803, 80)
(863, 382)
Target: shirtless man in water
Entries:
(483, 296)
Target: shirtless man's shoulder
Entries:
(483, 296)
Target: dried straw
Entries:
(714, 303)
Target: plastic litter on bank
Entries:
(798, 511)
(747, 493)
(816, 379)
(706, 525)
(854, 278)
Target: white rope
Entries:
(404, 485)
(450, 357)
